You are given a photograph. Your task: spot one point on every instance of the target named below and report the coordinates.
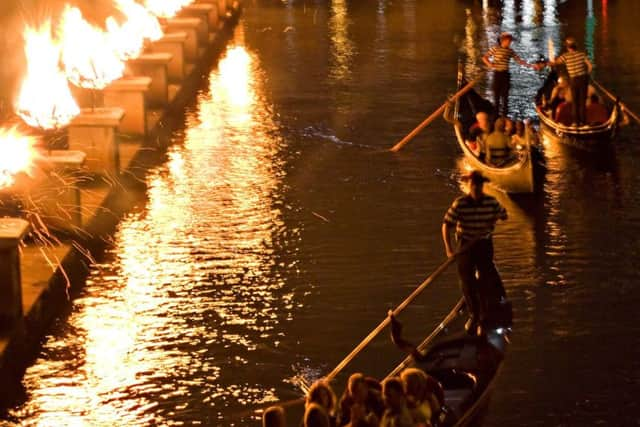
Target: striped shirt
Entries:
(576, 63)
(501, 57)
(474, 219)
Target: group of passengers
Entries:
(572, 102)
(560, 107)
(414, 399)
(496, 143)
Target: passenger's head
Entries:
(499, 125)
(475, 133)
(357, 387)
(414, 381)
(316, 416)
(570, 42)
(508, 126)
(273, 416)
(393, 393)
(321, 393)
(483, 120)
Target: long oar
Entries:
(613, 98)
(434, 115)
(372, 334)
(387, 319)
(427, 341)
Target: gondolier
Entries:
(578, 68)
(500, 55)
(473, 216)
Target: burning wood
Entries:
(45, 100)
(88, 54)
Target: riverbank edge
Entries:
(54, 299)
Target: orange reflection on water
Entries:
(342, 47)
(193, 287)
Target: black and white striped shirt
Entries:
(501, 57)
(474, 219)
(576, 63)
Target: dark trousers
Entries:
(484, 291)
(501, 86)
(579, 88)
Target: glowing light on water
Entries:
(342, 49)
(45, 100)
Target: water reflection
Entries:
(342, 48)
(195, 274)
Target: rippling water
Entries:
(278, 231)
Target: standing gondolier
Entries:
(500, 55)
(473, 216)
(578, 68)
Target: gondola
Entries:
(465, 365)
(588, 137)
(516, 176)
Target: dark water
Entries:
(277, 233)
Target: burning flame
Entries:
(166, 8)
(18, 154)
(45, 100)
(89, 57)
(128, 38)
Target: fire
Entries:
(89, 57)
(128, 38)
(18, 154)
(45, 100)
(166, 8)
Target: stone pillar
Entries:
(174, 44)
(155, 66)
(55, 196)
(128, 93)
(205, 11)
(12, 231)
(222, 9)
(94, 132)
(190, 27)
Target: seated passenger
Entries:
(475, 141)
(415, 382)
(358, 400)
(497, 145)
(315, 416)
(397, 413)
(564, 114)
(273, 416)
(561, 92)
(518, 139)
(482, 123)
(596, 112)
(321, 393)
(509, 129)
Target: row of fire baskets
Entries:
(84, 87)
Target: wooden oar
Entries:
(434, 115)
(372, 334)
(424, 344)
(387, 319)
(614, 98)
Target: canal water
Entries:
(279, 231)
